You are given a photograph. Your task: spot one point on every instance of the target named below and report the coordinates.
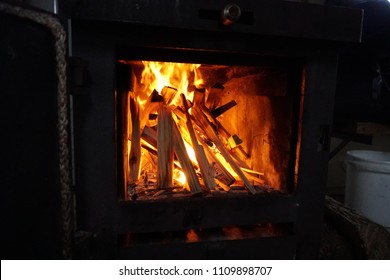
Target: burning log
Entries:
(256, 180)
(149, 135)
(234, 141)
(238, 153)
(252, 172)
(214, 96)
(168, 93)
(151, 159)
(180, 113)
(199, 102)
(222, 185)
(185, 162)
(222, 109)
(199, 151)
(165, 147)
(220, 171)
(151, 105)
(135, 149)
(208, 117)
(213, 136)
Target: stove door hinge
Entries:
(79, 77)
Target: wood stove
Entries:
(268, 73)
(280, 70)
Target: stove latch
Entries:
(230, 14)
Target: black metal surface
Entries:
(29, 181)
(271, 248)
(94, 137)
(266, 17)
(208, 212)
(319, 88)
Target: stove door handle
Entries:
(230, 14)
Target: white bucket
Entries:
(368, 184)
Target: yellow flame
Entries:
(181, 76)
(190, 152)
(179, 176)
(156, 75)
(225, 164)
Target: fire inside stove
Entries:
(202, 129)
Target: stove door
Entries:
(30, 180)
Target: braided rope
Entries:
(58, 32)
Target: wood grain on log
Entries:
(185, 162)
(165, 148)
(135, 148)
(213, 136)
(204, 165)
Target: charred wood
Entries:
(222, 109)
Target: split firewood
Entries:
(199, 96)
(185, 162)
(180, 113)
(252, 172)
(151, 105)
(149, 148)
(151, 159)
(165, 148)
(220, 172)
(156, 97)
(237, 153)
(214, 95)
(135, 148)
(222, 185)
(199, 104)
(225, 176)
(199, 151)
(256, 180)
(185, 136)
(213, 136)
(222, 109)
(168, 93)
(234, 141)
(199, 101)
(150, 136)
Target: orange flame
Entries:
(156, 75)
